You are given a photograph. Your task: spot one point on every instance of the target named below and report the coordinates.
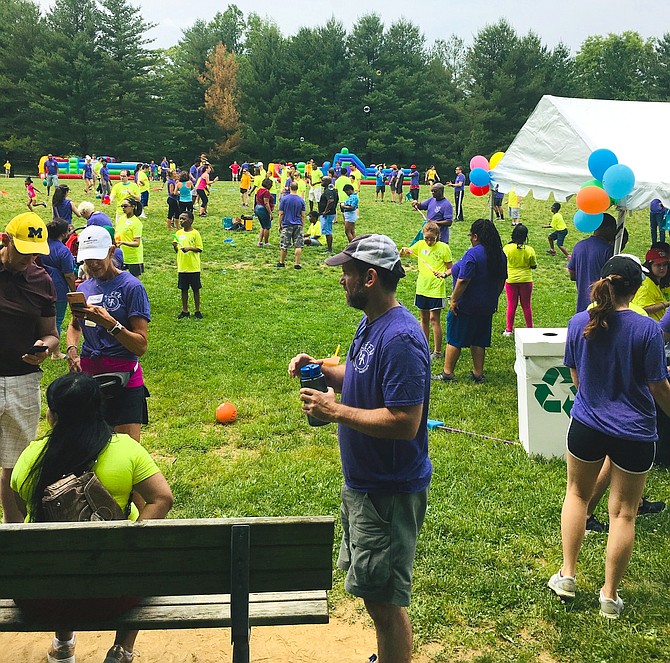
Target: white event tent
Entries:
(550, 153)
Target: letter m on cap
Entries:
(34, 232)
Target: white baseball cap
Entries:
(94, 243)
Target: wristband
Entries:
(69, 347)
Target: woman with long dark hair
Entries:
(81, 440)
(617, 362)
(479, 277)
(62, 206)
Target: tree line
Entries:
(83, 77)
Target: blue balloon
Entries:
(600, 161)
(479, 177)
(587, 223)
(618, 181)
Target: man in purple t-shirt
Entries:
(458, 184)
(656, 213)
(438, 209)
(51, 173)
(382, 415)
(588, 257)
(291, 221)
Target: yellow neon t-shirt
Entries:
(557, 222)
(512, 199)
(142, 181)
(122, 190)
(520, 262)
(127, 230)
(432, 258)
(649, 294)
(189, 261)
(122, 464)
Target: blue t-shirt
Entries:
(64, 210)
(614, 369)
(292, 205)
(656, 206)
(439, 210)
(390, 368)
(351, 215)
(59, 262)
(124, 297)
(459, 183)
(104, 173)
(88, 171)
(481, 295)
(99, 219)
(380, 178)
(51, 166)
(414, 179)
(588, 257)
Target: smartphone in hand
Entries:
(76, 299)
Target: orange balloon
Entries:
(226, 413)
(592, 200)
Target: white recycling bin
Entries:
(545, 390)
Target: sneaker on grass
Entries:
(609, 607)
(443, 377)
(647, 507)
(594, 525)
(436, 355)
(563, 586)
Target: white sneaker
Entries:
(609, 607)
(508, 333)
(563, 586)
(62, 652)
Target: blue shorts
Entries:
(327, 224)
(464, 330)
(424, 303)
(263, 216)
(498, 199)
(559, 236)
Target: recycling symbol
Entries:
(545, 396)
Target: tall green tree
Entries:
(65, 81)
(130, 85)
(21, 32)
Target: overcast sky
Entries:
(569, 21)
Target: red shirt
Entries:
(263, 196)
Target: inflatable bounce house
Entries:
(346, 159)
(73, 167)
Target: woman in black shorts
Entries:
(617, 361)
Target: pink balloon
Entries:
(479, 162)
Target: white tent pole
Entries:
(621, 222)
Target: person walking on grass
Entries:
(382, 416)
(327, 209)
(188, 247)
(291, 222)
(32, 195)
(560, 231)
(435, 261)
(521, 260)
(617, 362)
(350, 211)
(458, 186)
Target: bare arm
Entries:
(46, 335)
(133, 337)
(334, 374)
(135, 242)
(571, 273)
(661, 392)
(156, 492)
(575, 377)
(460, 287)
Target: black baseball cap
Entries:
(626, 266)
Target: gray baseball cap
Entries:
(375, 250)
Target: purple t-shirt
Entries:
(414, 179)
(614, 369)
(292, 205)
(656, 206)
(51, 166)
(481, 295)
(459, 183)
(99, 219)
(390, 368)
(124, 297)
(104, 173)
(588, 258)
(439, 210)
(57, 263)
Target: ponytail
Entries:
(604, 294)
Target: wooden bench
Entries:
(197, 573)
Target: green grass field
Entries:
(492, 534)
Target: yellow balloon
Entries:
(495, 160)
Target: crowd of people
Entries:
(618, 332)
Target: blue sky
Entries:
(570, 21)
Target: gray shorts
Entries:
(19, 415)
(291, 235)
(380, 532)
(52, 180)
(315, 194)
(514, 213)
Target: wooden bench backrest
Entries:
(161, 558)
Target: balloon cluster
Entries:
(611, 182)
(480, 176)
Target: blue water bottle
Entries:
(312, 378)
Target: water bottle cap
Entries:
(310, 371)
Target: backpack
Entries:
(78, 499)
